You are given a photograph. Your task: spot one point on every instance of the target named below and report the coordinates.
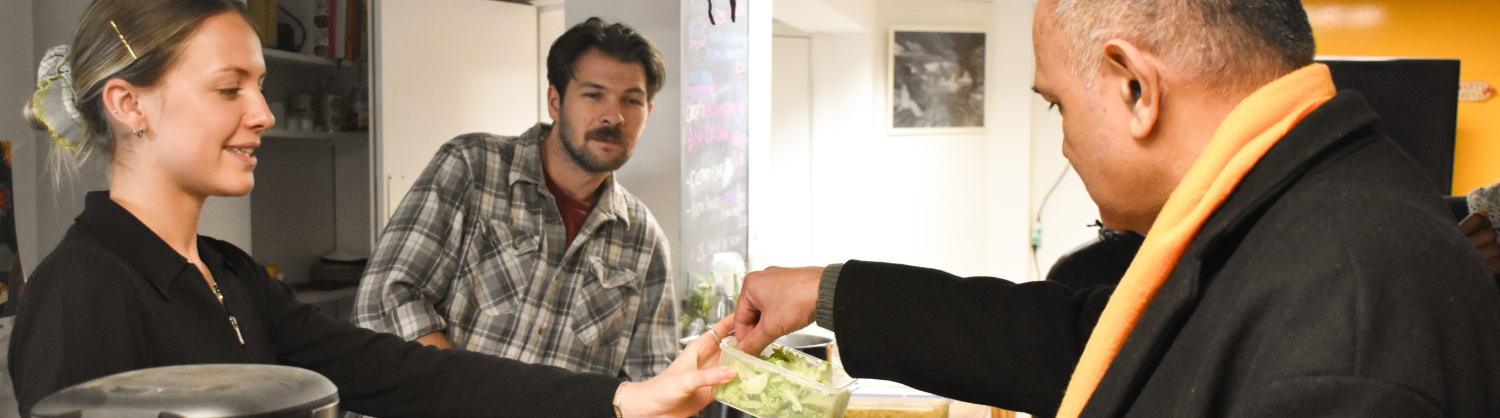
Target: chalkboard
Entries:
(715, 82)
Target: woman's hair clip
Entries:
(122, 40)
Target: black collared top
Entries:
(114, 297)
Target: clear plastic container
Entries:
(772, 389)
(882, 399)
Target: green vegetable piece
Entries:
(768, 394)
(756, 384)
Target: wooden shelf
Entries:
(285, 134)
(338, 303)
(277, 56)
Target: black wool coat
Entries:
(1331, 283)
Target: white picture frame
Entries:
(935, 80)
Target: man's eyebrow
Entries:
(598, 86)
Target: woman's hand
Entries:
(687, 385)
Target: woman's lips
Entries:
(244, 153)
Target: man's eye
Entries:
(230, 93)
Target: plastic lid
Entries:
(841, 380)
(885, 393)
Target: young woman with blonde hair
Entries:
(169, 92)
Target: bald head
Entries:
(1143, 84)
(1235, 44)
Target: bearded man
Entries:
(525, 247)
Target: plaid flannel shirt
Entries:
(475, 250)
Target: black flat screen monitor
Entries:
(1417, 100)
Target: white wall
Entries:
(788, 170)
(489, 81)
(654, 173)
(551, 22)
(1011, 67)
(961, 203)
(842, 121)
(862, 12)
(760, 210)
(17, 81)
(55, 207)
(953, 202)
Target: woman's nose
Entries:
(260, 118)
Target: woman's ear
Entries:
(122, 104)
(1139, 85)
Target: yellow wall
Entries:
(1464, 29)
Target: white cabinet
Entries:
(443, 68)
(438, 69)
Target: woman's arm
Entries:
(381, 374)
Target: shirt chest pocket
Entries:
(605, 304)
(502, 264)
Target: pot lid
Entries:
(196, 391)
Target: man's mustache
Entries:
(609, 133)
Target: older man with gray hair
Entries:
(1297, 262)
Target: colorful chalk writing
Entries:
(715, 89)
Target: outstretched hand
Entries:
(687, 384)
(775, 302)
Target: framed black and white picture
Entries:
(936, 81)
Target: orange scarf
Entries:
(1247, 133)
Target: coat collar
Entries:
(1326, 130)
(123, 233)
(526, 166)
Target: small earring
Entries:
(141, 132)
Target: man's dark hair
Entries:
(1232, 43)
(618, 41)
(1282, 24)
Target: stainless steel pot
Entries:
(813, 345)
(198, 391)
